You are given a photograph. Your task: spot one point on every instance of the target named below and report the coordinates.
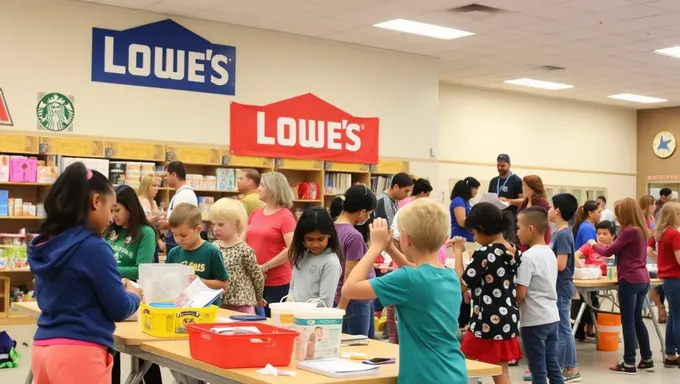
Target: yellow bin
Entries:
(171, 322)
(609, 329)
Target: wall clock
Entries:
(663, 144)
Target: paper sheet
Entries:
(493, 199)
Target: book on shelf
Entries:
(380, 183)
(337, 183)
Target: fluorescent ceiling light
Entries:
(672, 52)
(538, 84)
(637, 98)
(422, 29)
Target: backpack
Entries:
(9, 357)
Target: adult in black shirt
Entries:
(508, 187)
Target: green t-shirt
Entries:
(129, 254)
(206, 261)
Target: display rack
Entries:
(199, 160)
(382, 173)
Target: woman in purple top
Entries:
(631, 261)
(353, 208)
(534, 195)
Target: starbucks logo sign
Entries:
(55, 112)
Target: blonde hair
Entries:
(279, 189)
(185, 213)
(629, 214)
(430, 237)
(646, 202)
(230, 210)
(668, 217)
(144, 184)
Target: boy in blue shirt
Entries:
(426, 294)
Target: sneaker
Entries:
(671, 363)
(513, 363)
(527, 376)
(571, 377)
(646, 366)
(622, 368)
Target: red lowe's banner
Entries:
(303, 127)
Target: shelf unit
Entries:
(381, 174)
(204, 160)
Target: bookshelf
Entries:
(381, 173)
(133, 159)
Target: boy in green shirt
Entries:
(206, 260)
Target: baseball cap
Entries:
(503, 157)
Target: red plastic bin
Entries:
(273, 346)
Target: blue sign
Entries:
(163, 55)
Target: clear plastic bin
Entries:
(163, 282)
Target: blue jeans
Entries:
(631, 300)
(540, 346)
(566, 350)
(274, 295)
(671, 288)
(359, 318)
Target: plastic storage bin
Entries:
(273, 346)
(171, 322)
(163, 282)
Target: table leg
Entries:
(29, 377)
(137, 372)
(587, 301)
(656, 326)
(475, 380)
(577, 321)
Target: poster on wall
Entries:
(303, 127)
(55, 112)
(5, 116)
(163, 55)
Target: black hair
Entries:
(356, 198)
(608, 225)
(488, 219)
(582, 213)
(665, 192)
(463, 188)
(313, 219)
(178, 168)
(603, 198)
(538, 217)
(401, 180)
(421, 186)
(127, 197)
(566, 203)
(68, 203)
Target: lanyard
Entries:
(499, 187)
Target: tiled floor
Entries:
(593, 364)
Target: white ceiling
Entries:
(605, 45)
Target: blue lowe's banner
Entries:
(163, 55)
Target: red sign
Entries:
(303, 127)
(5, 117)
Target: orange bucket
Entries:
(609, 329)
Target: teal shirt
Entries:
(206, 261)
(427, 303)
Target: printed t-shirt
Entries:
(428, 347)
(594, 259)
(130, 253)
(667, 262)
(457, 230)
(206, 260)
(265, 236)
(538, 272)
(353, 247)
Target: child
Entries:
(493, 328)
(77, 283)
(537, 297)
(186, 224)
(246, 281)
(669, 270)
(428, 345)
(605, 236)
(631, 261)
(563, 208)
(315, 255)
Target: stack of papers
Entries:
(348, 340)
(197, 295)
(338, 368)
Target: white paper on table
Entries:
(197, 295)
(493, 199)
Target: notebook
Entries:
(350, 340)
(338, 368)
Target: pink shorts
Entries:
(68, 364)
(249, 309)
